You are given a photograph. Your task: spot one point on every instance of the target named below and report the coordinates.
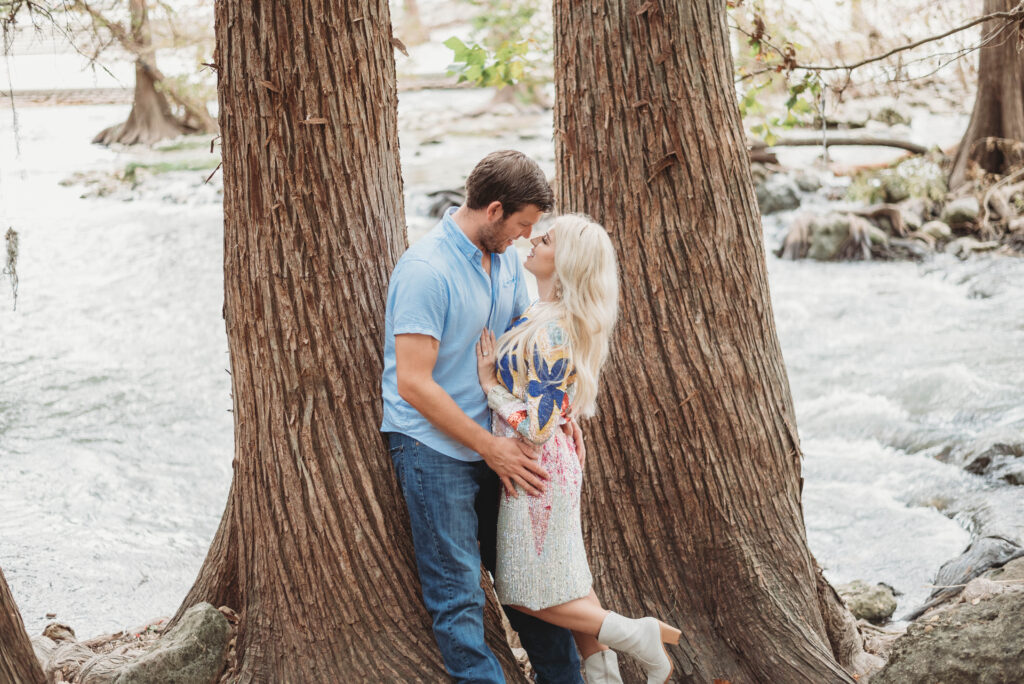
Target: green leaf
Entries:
(477, 56)
(802, 107)
(458, 47)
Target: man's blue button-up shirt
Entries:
(439, 288)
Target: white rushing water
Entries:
(116, 442)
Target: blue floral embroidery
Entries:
(505, 374)
(547, 388)
(515, 322)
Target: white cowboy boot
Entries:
(643, 640)
(602, 668)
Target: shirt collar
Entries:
(459, 239)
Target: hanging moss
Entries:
(11, 269)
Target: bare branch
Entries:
(1016, 14)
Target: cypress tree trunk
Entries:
(313, 551)
(693, 507)
(150, 120)
(999, 104)
(18, 663)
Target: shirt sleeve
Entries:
(535, 415)
(419, 299)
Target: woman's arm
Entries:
(535, 416)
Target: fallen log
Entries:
(831, 141)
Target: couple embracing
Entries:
(480, 389)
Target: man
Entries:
(448, 287)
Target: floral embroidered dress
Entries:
(541, 561)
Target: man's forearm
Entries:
(437, 406)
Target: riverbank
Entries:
(114, 416)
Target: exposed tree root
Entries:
(844, 636)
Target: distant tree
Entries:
(413, 32)
(994, 140)
(150, 119)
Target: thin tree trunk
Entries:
(859, 23)
(999, 104)
(314, 551)
(693, 510)
(413, 31)
(150, 120)
(18, 663)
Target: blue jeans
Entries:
(453, 509)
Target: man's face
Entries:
(504, 229)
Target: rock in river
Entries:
(966, 246)
(192, 652)
(983, 553)
(829, 237)
(873, 603)
(977, 642)
(961, 212)
(937, 230)
(777, 193)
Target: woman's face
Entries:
(541, 259)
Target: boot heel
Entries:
(669, 634)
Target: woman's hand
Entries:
(485, 361)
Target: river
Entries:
(116, 436)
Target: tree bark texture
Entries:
(314, 551)
(693, 509)
(999, 104)
(18, 663)
(150, 119)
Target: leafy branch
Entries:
(480, 68)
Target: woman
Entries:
(548, 364)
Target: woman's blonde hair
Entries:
(587, 299)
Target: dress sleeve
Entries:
(535, 415)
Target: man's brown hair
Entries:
(511, 178)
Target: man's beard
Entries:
(490, 236)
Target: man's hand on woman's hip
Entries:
(515, 462)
